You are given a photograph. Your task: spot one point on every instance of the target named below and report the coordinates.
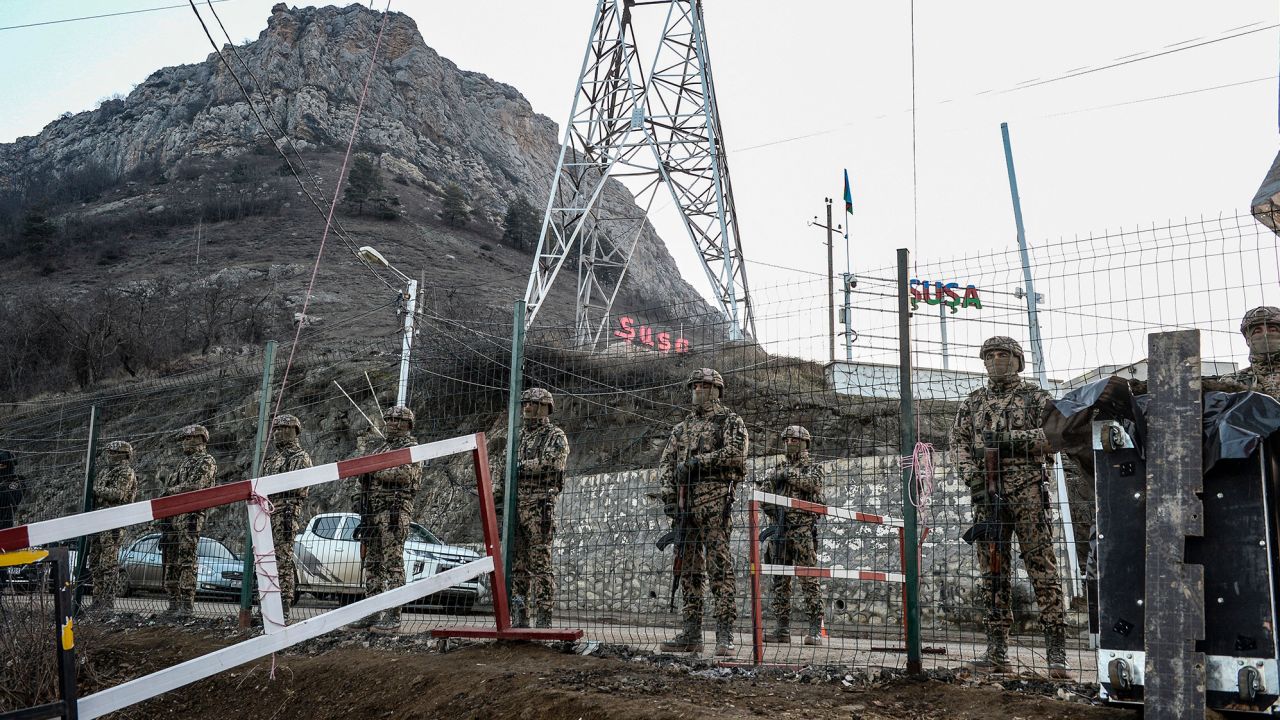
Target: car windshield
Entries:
(424, 535)
(210, 548)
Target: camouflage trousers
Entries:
(531, 576)
(383, 534)
(179, 540)
(284, 525)
(1024, 515)
(794, 547)
(706, 554)
(104, 565)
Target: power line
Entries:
(96, 17)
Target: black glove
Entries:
(690, 465)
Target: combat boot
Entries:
(815, 631)
(687, 640)
(184, 610)
(782, 633)
(388, 623)
(724, 640)
(996, 659)
(1055, 642)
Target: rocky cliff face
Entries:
(428, 122)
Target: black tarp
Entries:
(1235, 423)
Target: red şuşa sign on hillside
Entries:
(633, 333)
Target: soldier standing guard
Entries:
(386, 508)
(180, 535)
(286, 514)
(1261, 330)
(114, 484)
(704, 459)
(998, 447)
(794, 534)
(541, 459)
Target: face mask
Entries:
(285, 437)
(528, 411)
(396, 428)
(793, 450)
(703, 396)
(1264, 343)
(118, 459)
(192, 445)
(1000, 367)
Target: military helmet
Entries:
(399, 412)
(797, 431)
(1003, 342)
(538, 395)
(287, 421)
(119, 446)
(195, 431)
(706, 375)
(1258, 316)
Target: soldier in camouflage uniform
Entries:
(541, 459)
(794, 534)
(180, 535)
(114, 484)
(1261, 330)
(286, 514)
(386, 507)
(1009, 414)
(701, 465)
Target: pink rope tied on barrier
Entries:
(922, 467)
(272, 584)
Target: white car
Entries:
(328, 562)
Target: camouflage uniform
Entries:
(702, 463)
(1263, 373)
(114, 484)
(541, 457)
(386, 510)
(286, 514)
(1015, 411)
(180, 535)
(795, 541)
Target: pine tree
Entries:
(520, 227)
(456, 210)
(364, 183)
(37, 231)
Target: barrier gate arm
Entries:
(96, 521)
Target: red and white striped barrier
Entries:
(96, 521)
(758, 568)
(819, 572)
(817, 509)
(279, 636)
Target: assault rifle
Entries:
(991, 529)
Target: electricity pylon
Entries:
(658, 129)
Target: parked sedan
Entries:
(328, 562)
(218, 570)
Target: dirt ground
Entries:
(360, 675)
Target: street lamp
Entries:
(373, 257)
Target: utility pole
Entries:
(831, 276)
(1033, 321)
(942, 323)
(406, 346)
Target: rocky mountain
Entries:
(180, 184)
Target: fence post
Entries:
(82, 546)
(511, 487)
(907, 423)
(264, 405)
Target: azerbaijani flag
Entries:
(848, 195)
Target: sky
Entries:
(807, 91)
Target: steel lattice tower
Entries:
(659, 127)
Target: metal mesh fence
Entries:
(619, 402)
